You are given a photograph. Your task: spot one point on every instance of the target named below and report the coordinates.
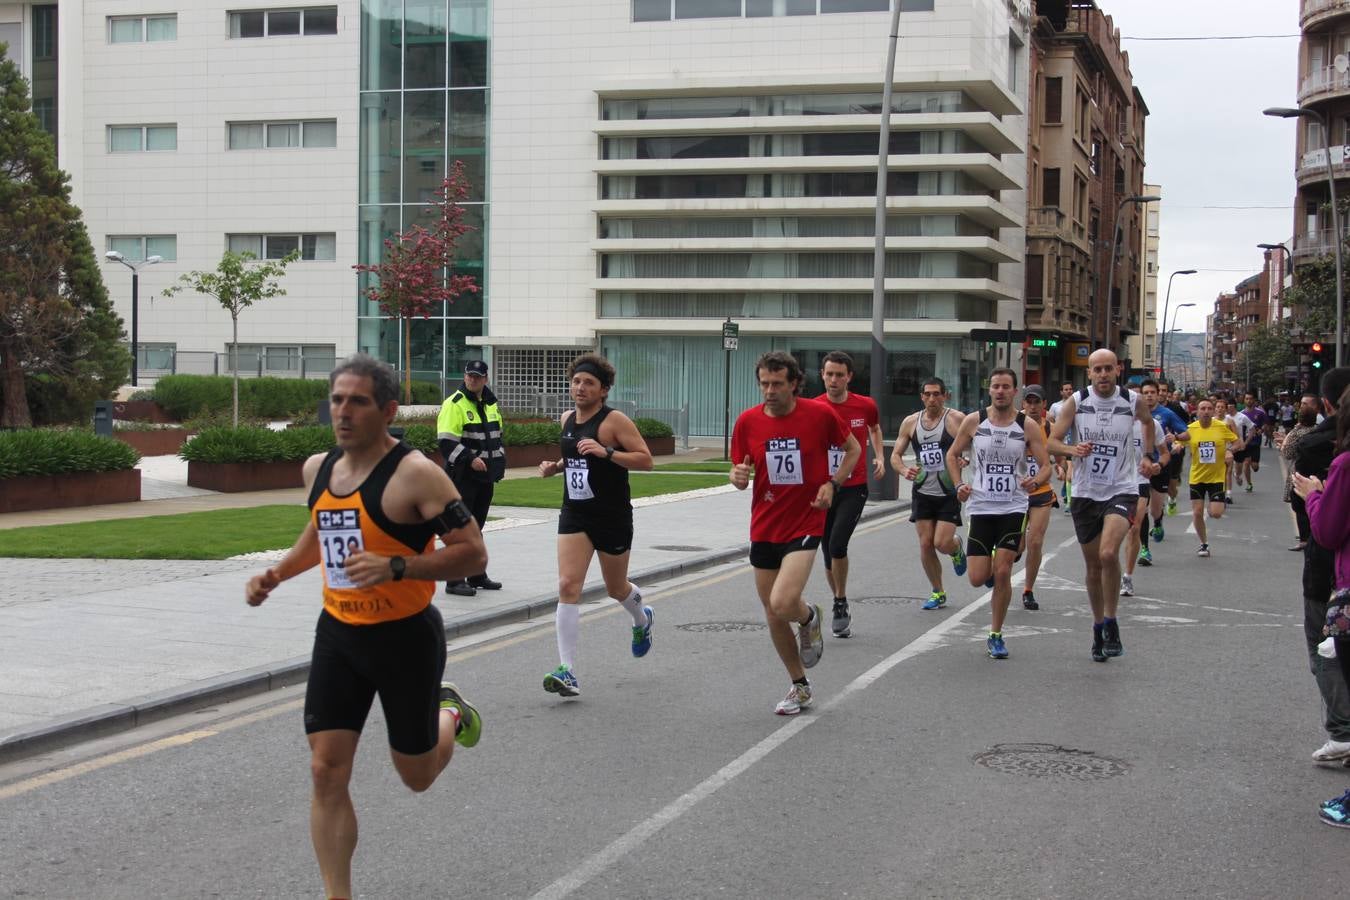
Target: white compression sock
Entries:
(633, 603)
(568, 621)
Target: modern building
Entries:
(669, 165)
(1144, 346)
(1085, 161)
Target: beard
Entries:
(1307, 419)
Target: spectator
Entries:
(1288, 443)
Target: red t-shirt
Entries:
(791, 456)
(860, 416)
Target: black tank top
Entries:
(593, 485)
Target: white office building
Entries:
(641, 171)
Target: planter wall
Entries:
(142, 411)
(70, 489)
(661, 446)
(162, 442)
(234, 478)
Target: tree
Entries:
(418, 270)
(60, 341)
(1268, 353)
(237, 284)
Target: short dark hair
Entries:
(593, 364)
(1146, 382)
(838, 356)
(383, 381)
(778, 361)
(1003, 370)
(1063, 383)
(1334, 383)
(942, 385)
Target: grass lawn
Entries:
(708, 465)
(219, 534)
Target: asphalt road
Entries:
(925, 769)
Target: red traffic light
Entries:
(1316, 347)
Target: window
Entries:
(138, 247)
(1050, 188)
(314, 247)
(44, 32)
(315, 358)
(1035, 281)
(138, 138)
(1054, 101)
(760, 8)
(272, 135)
(256, 23)
(707, 9)
(140, 29)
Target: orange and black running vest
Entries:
(356, 522)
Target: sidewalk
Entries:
(97, 646)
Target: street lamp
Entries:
(1111, 266)
(1285, 112)
(1168, 330)
(135, 285)
(1162, 348)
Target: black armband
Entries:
(455, 515)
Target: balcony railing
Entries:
(1314, 8)
(1325, 80)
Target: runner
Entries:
(1064, 466)
(863, 420)
(933, 507)
(1183, 414)
(1039, 502)
(378, 632)
(785, 445)
(1105, 486)
(1224, 413)
(599, 446)
(1174, 431)
(1213, 443)
(1136, 542)
(1000, 443)
(1251, 430)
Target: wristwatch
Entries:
(609, 453)
(836, 485)
(398, 565)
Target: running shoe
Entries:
(959, 558)
(1111, 638)
(1029, 601)
(1127, 586)
(1249, 487)
(1098, 646)
(1203, 551)
(562, 682)
(642, 634)
(936, 600)
(811, 639)
(470, 727)
(1336, 812)
(1171, 506)
(989, 582)
(1145, 557)
(994, 643)
(841, 622)
(1228, 499)
(1332, 751)
(1156, 533)
(797, 699)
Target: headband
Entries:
(591, 368)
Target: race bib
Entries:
(1033, 467)
(1101, 463)
(339, 537)
(1208, 452)
(1000, 480)
(836, 459)
(783, 457)
(930, 457)
(579, 480)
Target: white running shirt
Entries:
(1108, 424)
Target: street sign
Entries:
(730, 335)
(731, 343)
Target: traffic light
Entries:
(1318, 363)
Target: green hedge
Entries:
(653, 428)
(253, 444)
(190, 396)
(43, 451)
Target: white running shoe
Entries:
(1332, 751)
(797, 699)
(811, 639)
(1126, 586)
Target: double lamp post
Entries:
(115, 256)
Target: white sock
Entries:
(569, 628)
(633, 603)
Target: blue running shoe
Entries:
(990, 582)
(562, 682)
(642, 634)
(1145, 557)
(997, 649)
(936, 600)
(1156, 532)
(1336, 813)
(959, 558)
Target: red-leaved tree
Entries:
(417, 273)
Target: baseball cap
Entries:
(1034, 390)
(475, 367)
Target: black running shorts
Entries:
(611, 535)
(989, 533)
(1160, 481)
(1090, 515)
(769, 555)
(840, 521)
(1211, 489)
(402, 661)
(924, 508)
(1044, 498)
(1178, 462)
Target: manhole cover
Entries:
(678, 548)
(1050, 761)
(889, 599)
(721, 626)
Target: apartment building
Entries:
(1143, 348)
(1085, 151)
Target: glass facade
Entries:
(423, 107)
(44, 87)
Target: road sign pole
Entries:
(730, 341)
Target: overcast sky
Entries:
(1207, 143)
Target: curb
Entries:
(114, 718)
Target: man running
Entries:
(1224, 413)
(785, 444)
(1000, 442)
(1064, 466)
(599, 446)
(1251, 430)
(378, 632)
(933, 507)
(864, 422)
(1160, 486)
(1178, 406)
(1136, 542)
(1040, 500)
(1212, 442)
(1105, 486)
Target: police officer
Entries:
(470, 440)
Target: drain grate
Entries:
(678, 548)
(706, 627)
(892, 600)
(1050, 761)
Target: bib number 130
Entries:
(783, 457)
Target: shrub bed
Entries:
(256, 445)
(45, 451)
(189, 396)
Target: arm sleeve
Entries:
(1327, 509)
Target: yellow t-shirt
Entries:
(1208, 446)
